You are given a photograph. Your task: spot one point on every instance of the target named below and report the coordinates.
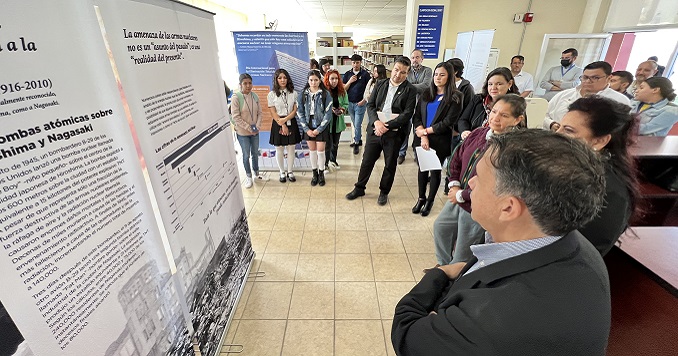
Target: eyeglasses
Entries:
(593, 79)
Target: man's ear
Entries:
(512, 208)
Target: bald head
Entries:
(646, 70)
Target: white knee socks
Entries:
(321, 159)
(290, 158)
(314, 159)
(280, 157)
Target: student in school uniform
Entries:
(282, 103)
(315, 114)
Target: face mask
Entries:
(565, 62)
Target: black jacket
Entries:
(554, 300)
(403, 104)
(443, 122)
(466, 89)
(473, 115)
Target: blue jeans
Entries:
(403, 147)
(250, 149)
(357, 113)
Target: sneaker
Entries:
(336, 165)
(261, 177)
(283, 178)
(327, 170)
(248, 183)
(331, 167)
(290, 177)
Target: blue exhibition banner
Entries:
(429, 27)
(260, 54)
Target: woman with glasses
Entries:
(282, 103)
(654, 104)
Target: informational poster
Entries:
(101, 103)
(429, 27)
(168, 67)
(473, 48)
(82, 259)
(260, 54)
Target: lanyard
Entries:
(562, 74)
(416, 75)
(287, 108)
(249, 108)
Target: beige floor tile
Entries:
(252, 192)
(259, 240)
(290, 221)
(322, 205)
(409, 221)
(309, 337)
(315, 267)
(353, 267)
(351, 221)
(419, 261)
(326, 192)
(358, 338)
(230, 335)
(344, 205)
(261, 221)
(273, 191)
(355, 300)
(298, 191)
(387, 324)
(380, 221)
(294, 205)
(284, 241)
(249, 204)
(269, 300)
(320, 221)
(250, 334)
(312, 300)
(385, 242)
(352, 242)
(401, 205)
(267, 205)
(389, 294)
(278, 266)
(392, 267)
(370, 204)
(417, 241)
(318, 241)
(242, 303)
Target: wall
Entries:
(549, 17)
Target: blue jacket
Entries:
(323, 112)
(658, 119)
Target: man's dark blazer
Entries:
(403, 104)
(443, 123)
(551, 301)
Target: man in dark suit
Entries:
(537, 287)
(395, 99)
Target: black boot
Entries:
(321, 178)
(314, 180)
(426, 209)
(417, 207)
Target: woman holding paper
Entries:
(454, 229)
(436, 114)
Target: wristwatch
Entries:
(459, 198)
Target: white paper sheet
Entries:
(382, 117)
(428, 160)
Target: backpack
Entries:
(241, 102)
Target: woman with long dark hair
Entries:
(434, 118)
(247, 116)
(334, 84)
(608, 128)
(282, 103)
(315, 115)
(654, 105)
(499, 82)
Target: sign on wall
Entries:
(429, 28)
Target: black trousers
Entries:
(389, 143)
(332, 147)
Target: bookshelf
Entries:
(335, 45)
(382, 51)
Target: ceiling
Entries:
(379, 17)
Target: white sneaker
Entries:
(248, 182)
(261, 177)
(331, 167)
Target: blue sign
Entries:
(429, 27)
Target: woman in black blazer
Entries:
(434, 118)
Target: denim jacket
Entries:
(658, 119)
(323, 112)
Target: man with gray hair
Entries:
(537, 287)
(647, 69)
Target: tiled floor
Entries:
(335, 269)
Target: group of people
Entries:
(525, 206)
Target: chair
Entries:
(536, 111)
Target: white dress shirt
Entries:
(559, 104)
(524, 81)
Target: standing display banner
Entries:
(260, 54)
(429, 27)
(134, 105)
(473, 48)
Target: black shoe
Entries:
(355, 193)
(283, 178)
(352, 144)
(290, 177)
(383, 199)
(314, 180)
(426, 209)
(321, 178)
(401, 159)
(417, 207)
(360, 143)
(356, 149)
